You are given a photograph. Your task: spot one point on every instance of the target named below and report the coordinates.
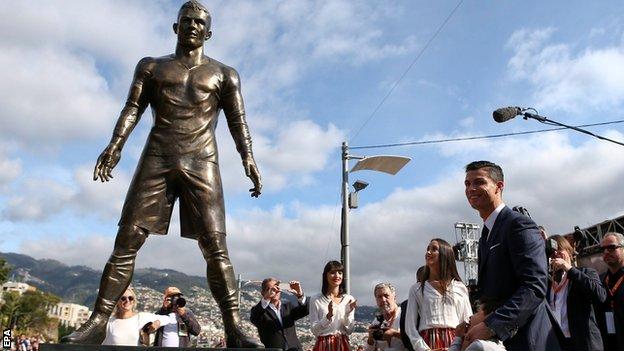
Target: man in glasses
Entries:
(612, 316)
(176, 334)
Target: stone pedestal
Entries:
(75, 347)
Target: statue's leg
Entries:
(115, 280)
(222, 283)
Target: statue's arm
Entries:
(128, 118)
(234, 109)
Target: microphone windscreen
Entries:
(505, 114)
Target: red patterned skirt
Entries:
(438, 338)
(339, 342)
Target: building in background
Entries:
(69, 314)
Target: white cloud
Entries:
(37, 200)
(55, 97)
(40, 199)
(299, 149)
(10, 168)
(91, 251)
(563, 78)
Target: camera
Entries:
(551, 246)
(176, 301)
(379, 326)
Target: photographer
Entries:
(176, 335)
(384, 333)
(571, 295)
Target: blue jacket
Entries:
(512, 268)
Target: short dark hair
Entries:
(494, 171)
(332, 266)
(266, 282)
(195, 6)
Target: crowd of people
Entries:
(26, 343)
(529, 297)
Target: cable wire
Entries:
(439, 141)
(422, 51)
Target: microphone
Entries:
(504, 114)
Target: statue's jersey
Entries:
(186, 103)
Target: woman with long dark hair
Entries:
(440, 300)
(332, 312)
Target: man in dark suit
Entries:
(275, 318)
(611, 313)
(512, 267)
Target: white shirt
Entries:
(125, 331)
(396, 344)
(489, 222)
(435, 310)
(559, 305)
(342, 321)
(170, 336)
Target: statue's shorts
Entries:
(160, 180)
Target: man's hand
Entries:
(153, 326)
(390, 333)
(462, 329)
(251, 171)
(295, 288)
(478, 332)
(180, 311)
(370, 340)
(106, 162)
(560, 264)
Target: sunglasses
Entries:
(611, 247)
(129, 298)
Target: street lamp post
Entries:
(383, 163)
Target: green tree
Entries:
(28, 312)
(4, 270)
(9, 310)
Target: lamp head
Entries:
(360, 185)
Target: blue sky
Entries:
(312, 73)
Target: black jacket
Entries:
(274, 334)
(404, 338)
(613, 343)
(192, 326)
(584, 292)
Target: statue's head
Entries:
(193, 24)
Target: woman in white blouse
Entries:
(125, 326)
(440, 300)
(332, 313)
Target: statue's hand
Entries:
(251, 170)
(106, 162)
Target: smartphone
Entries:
(285, 288)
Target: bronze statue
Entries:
(186, 91)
